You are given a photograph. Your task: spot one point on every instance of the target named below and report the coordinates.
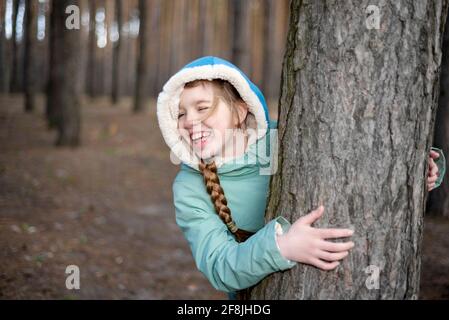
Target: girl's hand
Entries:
(433, 170)
(306, 244)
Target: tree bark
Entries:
(153, 50)
(30, 72)
(15, 81)
(117, 54)
(92, 46)
(275, 27)
(438, 204)
(64, 90)
(356, 117)
(142, 62)
(256, 48)
(166, 9)
(4, 52)
(108, 51)
(269, 24)
(240, 50)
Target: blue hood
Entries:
(208, 68)
(211, 60)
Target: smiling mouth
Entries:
(200, 136)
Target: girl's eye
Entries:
(203, 108)
(180, 115)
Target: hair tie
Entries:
(232, 227)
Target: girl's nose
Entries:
(191, 121)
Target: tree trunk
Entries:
(108, 51)
(166, 9)
(30, 72)
(116, 65)
(44, 47)
(92, 46)
(256, 49)
(269, 25)
(4, 51)
(153, 50)
(142, 63)
(439, 198)
(51, 32)
(276, 15)
(15, 81)
(356, 118)
(64, 94)
(241, 37)
(193, 34)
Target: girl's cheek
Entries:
(184, 133)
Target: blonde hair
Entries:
(227, 92)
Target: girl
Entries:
(216, 121)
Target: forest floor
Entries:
(107, 208)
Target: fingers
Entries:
(334, 233)
(312, 216)
(434, 154)
(433, 168)
(432, 179)
(331, 256)
(335, 247)
(324, 265)
(433, 175)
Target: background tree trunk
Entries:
(64, 92)
(356, 119)
(15, 81)
(4, 51)
(117, 54)
(275, 28)
(142, 63)
(269, 25)
(240, 50)
(107, 52)
(30, 72)
(92, 46)
(439, 198)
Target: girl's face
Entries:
(215, 135)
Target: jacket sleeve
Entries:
(441, 164)
(227, 264)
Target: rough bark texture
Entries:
(439, 198)
(356, 118)
(64, 91)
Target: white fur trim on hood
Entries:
(207, 68)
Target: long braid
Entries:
(214, 189)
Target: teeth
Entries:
(198, 135)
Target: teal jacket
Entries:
(229, 265)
